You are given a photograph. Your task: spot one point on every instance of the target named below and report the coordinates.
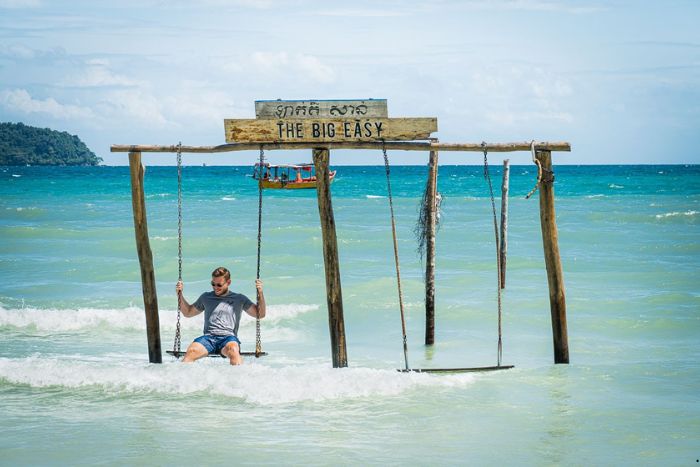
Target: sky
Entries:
(619, 80)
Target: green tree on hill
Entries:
(21, 144)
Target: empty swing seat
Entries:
(457, 370)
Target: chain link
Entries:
(177, 343)
(396, 254)
(487, 176)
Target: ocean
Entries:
(76, 387)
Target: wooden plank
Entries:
(143, 247)
(457, 370)
(555, 277)
(328, 130)
(334, 294)
(391, 145)
(343, 108)
(215, 355)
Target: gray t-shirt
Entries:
(222, 314)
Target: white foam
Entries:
(612, 185)
(375, 196)
(277, 313)
(55, 320)
(228, 198)
(251, 382)
(676, 214)
(131, 318)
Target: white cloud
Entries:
(269, 61)
(16, 4)
(253, 4)
(98, 74)
(19, 100)
(530, 91)
(23, 52)
(363, 13)
(313, 67)
(527, 118)
(17, 51)
(135, 106)
(302, 66)
(536, 5)
(555, 88)
(198, 103)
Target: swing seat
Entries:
(244, 354)
(457, 370)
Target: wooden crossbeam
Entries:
(391, 145)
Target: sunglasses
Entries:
(214, 284)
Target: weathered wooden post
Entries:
(430, 250)
(504, 220)
(336, 321)
(143, 246)
(555, 277)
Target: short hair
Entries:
(221, 271)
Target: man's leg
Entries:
(194, 352)
(233, 351)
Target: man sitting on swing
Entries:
(222, 315)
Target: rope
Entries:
(396, 254)
(487, 175)
(177, 343)
(539, 170)
(258, 340)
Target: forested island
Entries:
(21, 144)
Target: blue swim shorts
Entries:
(214, 344)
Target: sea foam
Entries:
(130, 318)
(676, 214)
(285, 385)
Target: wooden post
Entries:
(143, 246)
(430, 250)
(504, 220)
(550, 241)
(336, 321)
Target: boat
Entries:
(287, 176)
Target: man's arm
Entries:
(253, 309)
(187, 310)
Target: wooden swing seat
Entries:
(244, 354)
(457, 370)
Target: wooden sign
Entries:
(321, 109)
(305, 130)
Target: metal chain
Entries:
(258, 340)
(177, 343)
(396, 254)
(487, 175)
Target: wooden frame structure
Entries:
(321, 156)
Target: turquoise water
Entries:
(76, 387)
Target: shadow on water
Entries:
(559, 434)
